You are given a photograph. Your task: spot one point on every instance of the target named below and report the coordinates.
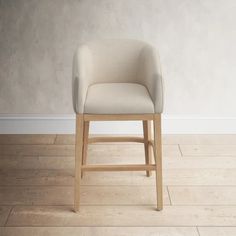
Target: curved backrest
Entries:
(115, 60)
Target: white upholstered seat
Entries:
(118, 98)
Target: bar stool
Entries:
(118, 80)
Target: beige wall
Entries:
(196, 40)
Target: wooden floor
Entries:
(36, 188)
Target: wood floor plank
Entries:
(123, 216)
(99, 231)
(27, 138)
(68, 150)
(217, 231)
(208, 150)
(90, 195)
(36, 177)
(168, 139)
(190, 177)
(199, 163)
(68, 162)
(172, 162)
(220, 139)
(202, 195)
(70, 139)
(205, 177)
(200, 139)
(37, 150)
(37, 162)
(201, 184)
(170, 177)
(4, 212)
(65, 139)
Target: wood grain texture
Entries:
(202, 195)
(37, 150)
(37, 177)
(170, 139)
(123, 216)
(65, 139)
(217, 231)
(169, 162)
(67, 162)
(200, 139)
(157, 150)
(125, 167)
(170, 177)
(199, 163)
(27, 138)
(85, 143)
(90, 195)
(68, 139)
(132, 150)
(78, 159)
(69, 150)
(208, 150)
(147, 135)
(189, 176)
(99, 231)
(4, 212)
(37, 162)
(114, 139)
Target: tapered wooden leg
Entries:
(158, 159)
(147, 147)
(78, 158)
(85, 144)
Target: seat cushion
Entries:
(118, 98)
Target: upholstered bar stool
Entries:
(118, 80)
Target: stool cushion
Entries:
(118, 98)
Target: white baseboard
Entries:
(65, 124)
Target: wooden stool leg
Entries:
(158, 159)
(85, 144)
(78, 158)
(147, 147)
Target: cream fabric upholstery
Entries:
(117, 77)
(118, 98)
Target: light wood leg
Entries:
(158, 159)
(85, 144)
(78, 158)
(147, 147)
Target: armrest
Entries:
(151, 76)
(82, 70)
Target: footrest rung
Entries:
(115, 139)
(118, 167)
